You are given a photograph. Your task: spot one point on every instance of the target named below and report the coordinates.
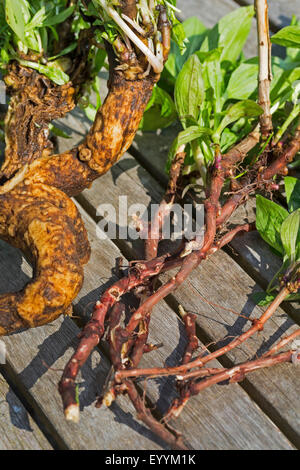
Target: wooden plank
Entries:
(50, 345)
(18, 431)
(164, 320)
(280, 11)
(31, 353)
(256, 257)
(210, 12)
(128, 178)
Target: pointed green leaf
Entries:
(243, 109)
(243, 82)
(230, 33)
(290, 234)
(160, 112)
(211, 63)
(60, 18)
(189, 89)
(288, 37)
(269, 219)
(185, 137)
(292, 189)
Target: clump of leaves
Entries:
(280, 228)
(213, 88)
(30, 30)
(29, 33)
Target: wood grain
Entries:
(224, 417)
(128, 178)
(31, 354)
(18, 431)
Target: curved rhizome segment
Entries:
(36, 213)
(46, 225)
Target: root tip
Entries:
(72, 413)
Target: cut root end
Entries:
(72, 413)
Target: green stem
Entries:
(199, 159)
(294, 114)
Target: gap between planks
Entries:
(280, 11)
(24, 434)
(29, 354)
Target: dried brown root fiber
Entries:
(35, 102)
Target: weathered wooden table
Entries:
(262, 412)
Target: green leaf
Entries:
(54, 73)
(292, 189)
(160, 112)
(58, 132)
(290, 234)
(60, 18)
(185, 137)
(243, 82)
(65, 51)
(269, 219)
(178, 36)
(282, 85)
(54, 32)
(189, 89)
(228, 139)
(17, 16)
(77, 394)
(213, 75)
(37, 20)
(243, 109)
(262, 298)
(194, 31)
(230, 33)
(288, 37)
